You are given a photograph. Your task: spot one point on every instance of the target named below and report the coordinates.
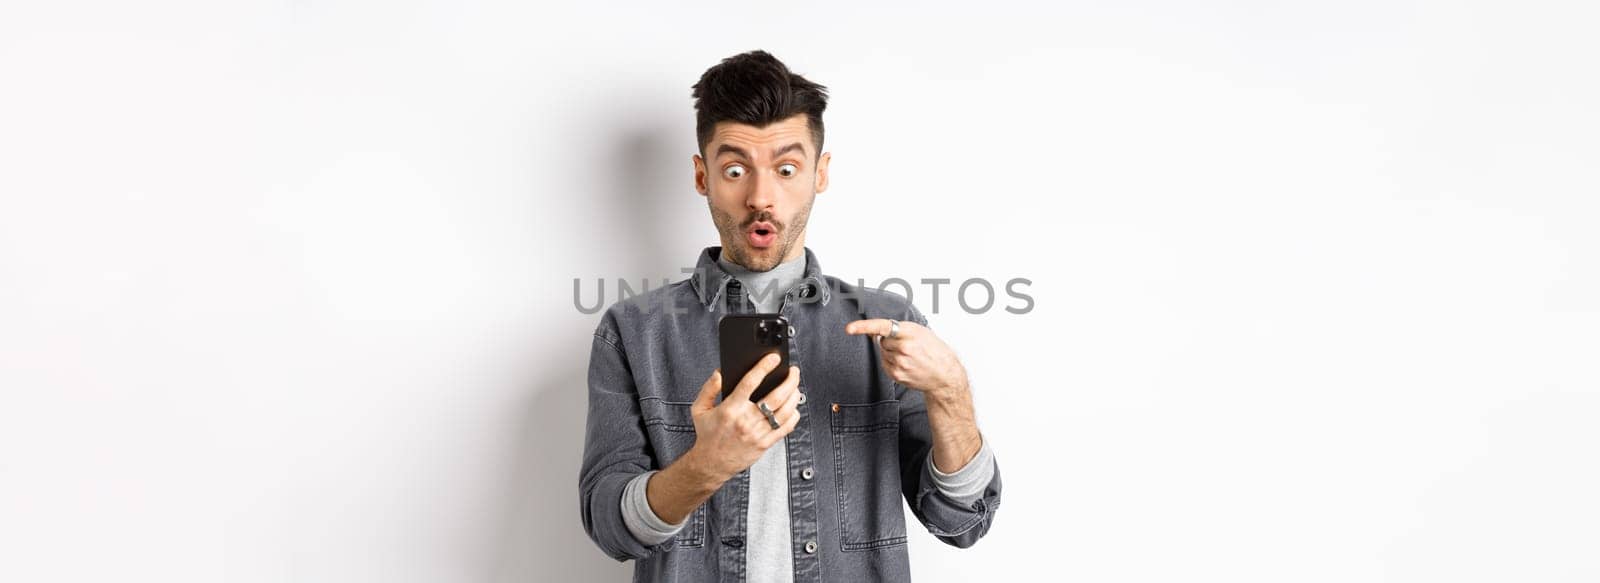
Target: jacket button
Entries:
(806, 474)
(811, 547)
(802, 398)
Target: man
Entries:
(697, 488)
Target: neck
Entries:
(766, 289)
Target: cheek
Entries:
(799, 208)
(720, 213)
(725, 198)
(729, 194)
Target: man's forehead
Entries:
(762, 140)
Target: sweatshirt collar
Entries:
(710, 280)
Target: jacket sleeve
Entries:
(956, 522)
(615, 450)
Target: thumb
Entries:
(708, 392)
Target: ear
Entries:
(700, 176)
(822, 171)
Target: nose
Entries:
(763, 191)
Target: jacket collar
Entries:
(710, 280)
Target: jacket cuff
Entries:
(965, 485)
(959, 523)
(607, 526)
(642, 522)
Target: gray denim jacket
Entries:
(861, 445)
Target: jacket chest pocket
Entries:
(670, 427)
(866, 465)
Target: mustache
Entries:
(762, 217)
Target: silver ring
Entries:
(771, 420)
(894, 328)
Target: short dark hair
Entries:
(756, 88)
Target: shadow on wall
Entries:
(543, 537)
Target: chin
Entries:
(763, 259)
(762, 263)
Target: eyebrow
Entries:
(737, 151)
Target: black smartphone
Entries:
(744, 339)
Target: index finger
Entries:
(747, 385)
(875, 326)
(789, 385)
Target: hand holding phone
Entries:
(727, 438)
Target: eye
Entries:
(733, 171)
(788, 170)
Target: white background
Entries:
(286, 288)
